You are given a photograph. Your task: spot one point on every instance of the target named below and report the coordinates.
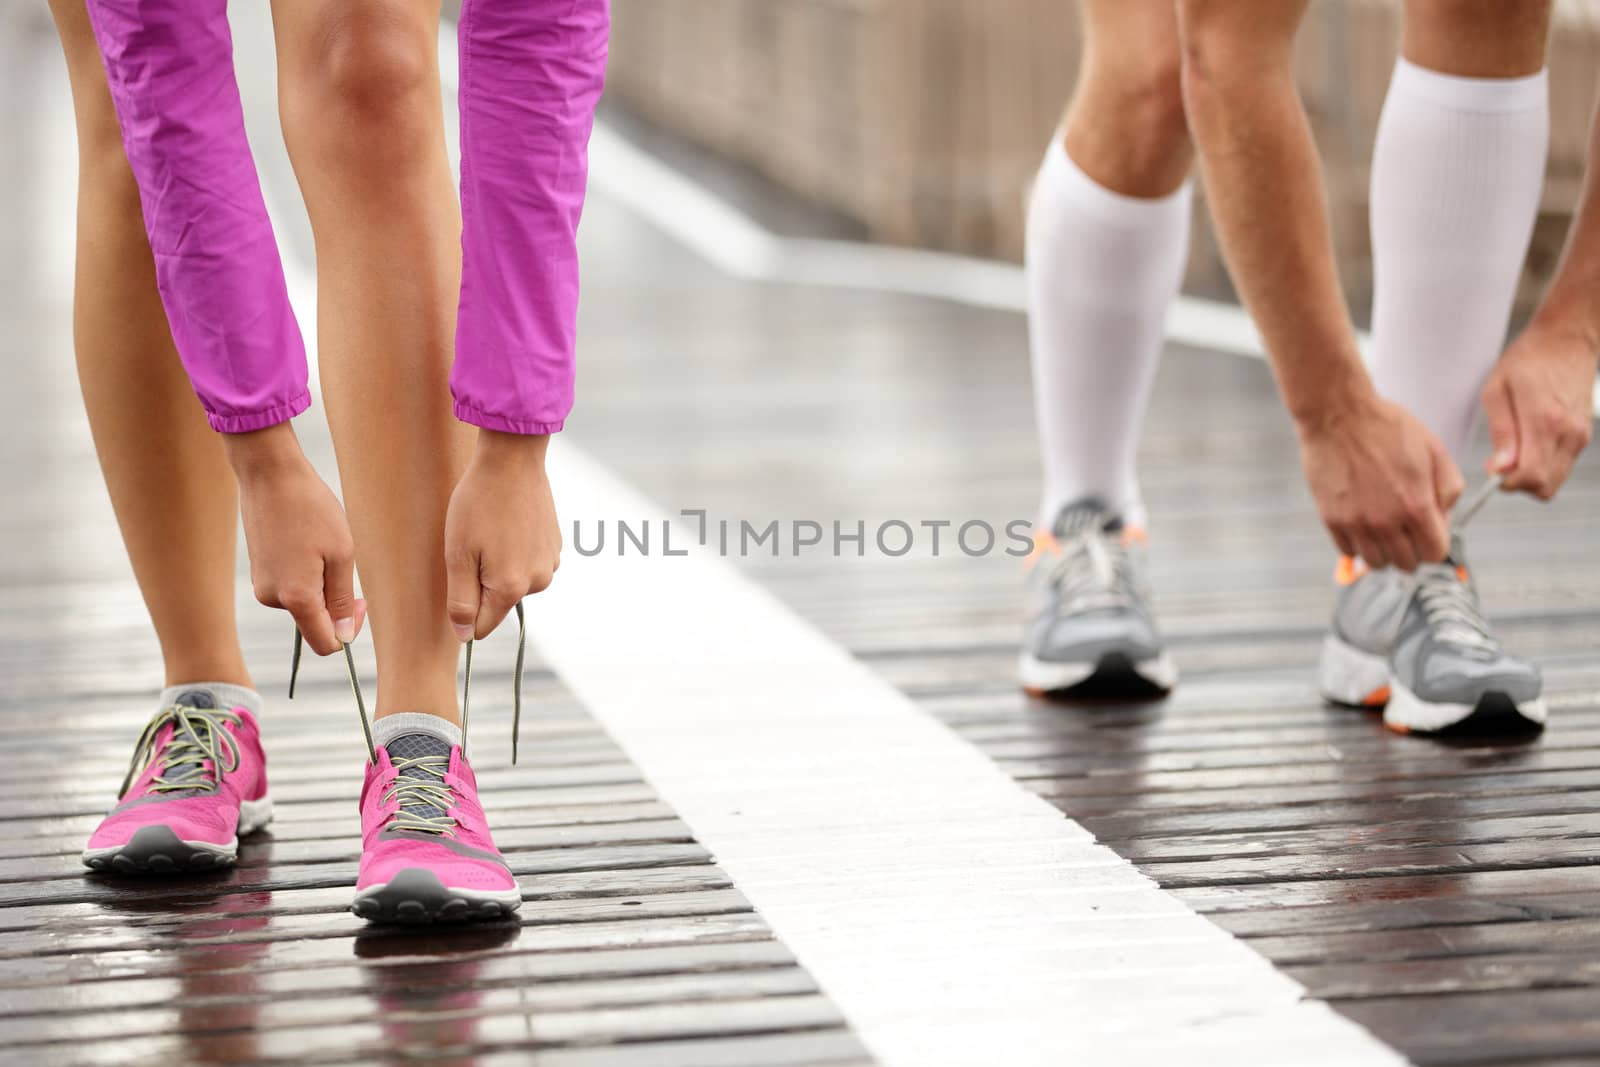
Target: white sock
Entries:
(1457, 175)
(386, 729)
(1102, 269)
(226, 695)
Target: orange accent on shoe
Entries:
(1037, 694)
(1044, 543)
(1134, 535)
(1461, 575)
(1350, 568)
(1377, 698)
(1397, 727)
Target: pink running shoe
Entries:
(196, 784)
(426, 852)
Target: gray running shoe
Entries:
(1088, 611)
(1448, 672)
(1366, 622)
(1418, 647)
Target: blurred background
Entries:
(924, 120)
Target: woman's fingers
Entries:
(497, 601)
(463, 594)
(310, 613)
(339, 592)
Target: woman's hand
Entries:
(501, 538)
(301, 556)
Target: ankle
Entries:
(225, 670)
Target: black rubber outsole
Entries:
(1495, 716)
(1114, 679)
(417, 898)
(157, 850)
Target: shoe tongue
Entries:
(191, 769)
(415, 746)
(1087, 514)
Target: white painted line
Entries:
(954, 917)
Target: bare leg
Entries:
(1477, 38)
(363, 119)
(1126, 126)
(164, 467)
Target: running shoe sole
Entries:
(1351, 677)
(1494, 714)
(157, 849)
(416, 897)
(1044, 678)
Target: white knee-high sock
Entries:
(1102, 269)
(1456, 178)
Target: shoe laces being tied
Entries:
(1444, 590)
(424, 797)
(198, 755)
(1094, 569)
(421, 794)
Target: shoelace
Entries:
(412, 792)
(1094, 572)
(466, 687)
(1448, 601)
(198, 739)
(431, 791)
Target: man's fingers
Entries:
(463, 594)
(1404, 549)
(1501, 411)
(1371, 550)
(1547, 447)
(339, 595)
(1432, 539)
(496, 603)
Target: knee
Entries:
(372, 66)
(1152, 109)
(1129, 117)
(364, 95)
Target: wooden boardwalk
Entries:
(1446, 898)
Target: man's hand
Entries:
(1540, 404)
(501, 538)
(1383, 483)
(302, 558)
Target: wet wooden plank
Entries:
(159, 931)
(458, 984)
(343, 848)
(1442, 911)
(457, 1033)
(1527, 1026)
